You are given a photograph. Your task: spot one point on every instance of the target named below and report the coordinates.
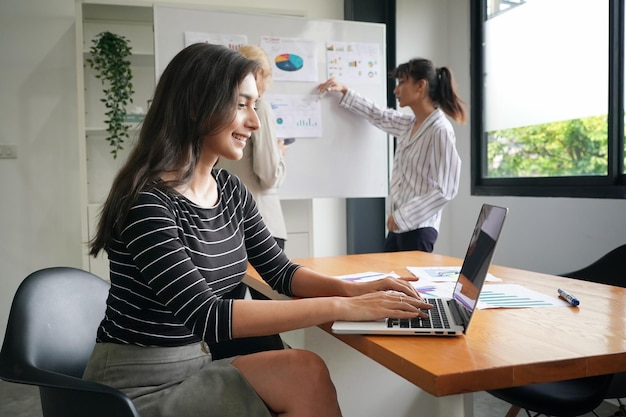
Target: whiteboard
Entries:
(351, 158)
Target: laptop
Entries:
(449, 316)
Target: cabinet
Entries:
(97, 165)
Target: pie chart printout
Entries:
(288, 62)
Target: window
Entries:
(548, 98)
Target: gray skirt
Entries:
(175, 382)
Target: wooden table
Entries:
(503, 347)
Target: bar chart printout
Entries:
(494, 295)
(297, 115)
(515, 296)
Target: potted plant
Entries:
(109, 58)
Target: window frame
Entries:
(612, 185)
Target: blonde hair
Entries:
(256, 53)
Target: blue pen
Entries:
(568, 297)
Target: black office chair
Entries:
(49, 338)
(580, 396)
(617, 391)
(569, 398)
(609, 269)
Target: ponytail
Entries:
(446, 96)
(441, 85)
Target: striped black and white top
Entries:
(426, 166)
(175, 263)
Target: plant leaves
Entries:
(109, 54)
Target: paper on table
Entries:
(494, 295)
(367, 276)
(442, 273)
(515, 296)
(434, 289)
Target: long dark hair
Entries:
(441, 85)
(196, 96)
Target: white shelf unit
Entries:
(97, 165)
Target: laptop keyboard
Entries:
(437, 318)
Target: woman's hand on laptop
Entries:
(415, 301)
(402, 284)
(382, 304)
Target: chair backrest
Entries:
(609, 269)
(54, 318)
(50, 335)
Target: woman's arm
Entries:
(327, 298)
(309, 283)
(332, 299)
(389, 120)
(263, 317)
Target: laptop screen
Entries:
(478, 259)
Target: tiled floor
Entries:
(23, 401)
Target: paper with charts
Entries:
(492, 295)
(442, 273)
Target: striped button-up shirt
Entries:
(426, 165)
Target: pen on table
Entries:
(568, 297)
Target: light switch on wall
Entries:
(8, 151)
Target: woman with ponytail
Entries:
(426, 165)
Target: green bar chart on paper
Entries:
(494, 295)
(515, 296)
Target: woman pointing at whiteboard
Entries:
(426, 165)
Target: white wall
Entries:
(39, 222)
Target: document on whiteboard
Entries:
(296, 115)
